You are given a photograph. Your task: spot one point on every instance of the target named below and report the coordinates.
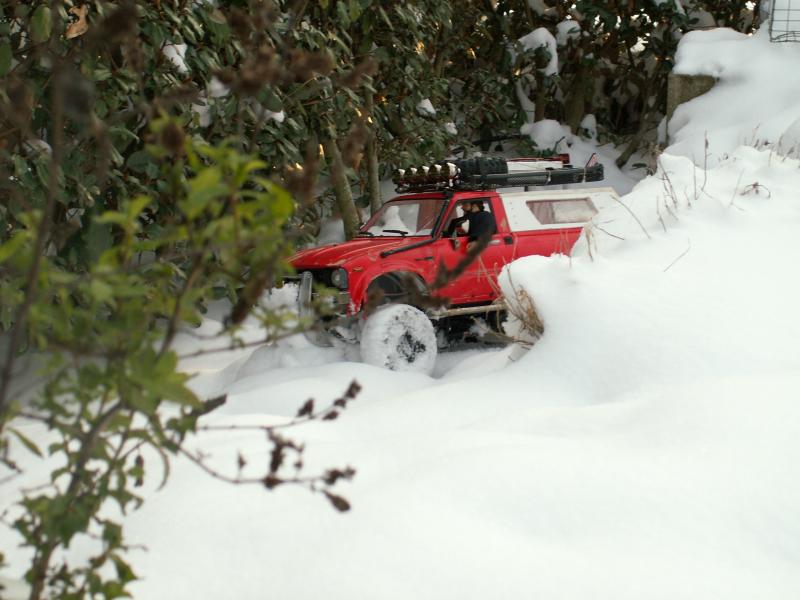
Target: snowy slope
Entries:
(645, 447)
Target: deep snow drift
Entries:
(645, 447)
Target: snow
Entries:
(645, 447)
(176, 54)
(676, 3)
(38, 146)
(542, 37)
(541, 8)
(267, 115)
(425, 108)
(217, 89)
(753, 102)
(331, 232)
(528, 106)
(278, 117)
(567, 30)
(588, 127)
(552, 135)
(214, 89)
(789, 142)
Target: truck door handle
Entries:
(494, 243)
(425, 258)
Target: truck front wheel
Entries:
(399, 337)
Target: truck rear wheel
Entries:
(399, 337)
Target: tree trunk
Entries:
(341, 188)
(578, 97)
(637, 139)
(373, 175)
(633, 146)
(539, 98)
(373, 172)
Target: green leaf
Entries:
(5, 59)
(101, 290)
(217, 16)
(385, 18)
(97, 239)
(10, 248)
(112, 533)
(139, 160)
(124, 572)
(343, 14)
(166, 365)
(26, 441)
(137, 205)
(355, 10)
(205, 187)
(123, 133)
(112, 217)
(114, 589)
(176, 392)
(270, 100)
(41, 24)
(206, 178)
(101, 74)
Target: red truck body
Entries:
(528, 223)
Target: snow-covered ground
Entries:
(645, 447)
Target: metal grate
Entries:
(784, 22)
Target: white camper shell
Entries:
(554, 209)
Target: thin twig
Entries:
(684, 253)
(736, 189)
(172, 327)
(613, 235)
(243, 345)
(635, 218)
(705, 164)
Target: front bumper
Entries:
(337, 302)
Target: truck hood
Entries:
(336, 255)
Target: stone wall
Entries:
(682, 88)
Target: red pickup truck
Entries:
(399, 251)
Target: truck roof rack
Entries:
(490, 172)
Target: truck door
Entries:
(498, 253)
(478, 282)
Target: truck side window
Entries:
(559, 212)
(458, 212)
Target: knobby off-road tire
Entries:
(482, 165)
(401, 338)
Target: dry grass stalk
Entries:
(521, 307)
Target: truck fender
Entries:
(396, 287)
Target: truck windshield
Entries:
(411, 217)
